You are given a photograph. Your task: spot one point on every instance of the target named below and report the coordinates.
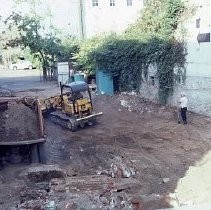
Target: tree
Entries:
(8, 34)
(44, 44)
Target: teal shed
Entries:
(104, 82)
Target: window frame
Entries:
(129, 3)
(95, 3)
(198, 22)
(112, 3)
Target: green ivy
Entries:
(150, 41)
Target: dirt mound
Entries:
(18, 123)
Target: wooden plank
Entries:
(19, 143)
(89, 117)
(99, 183)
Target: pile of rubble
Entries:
(133, 103)
(50, 187)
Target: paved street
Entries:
(20, 80)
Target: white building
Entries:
(198, 72)
(198, 68)
(91, 17)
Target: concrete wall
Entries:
(198, 83)
(66, 16)
(198, 72)
(85, 20)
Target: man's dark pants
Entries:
(183, 115)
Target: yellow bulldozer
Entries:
(71, 109)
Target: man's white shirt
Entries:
(183, 102)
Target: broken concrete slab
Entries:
(44, 173)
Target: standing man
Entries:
(71, 73)
(183, 107)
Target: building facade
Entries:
(101, 16)
(88, 18)
(198, 72)
(197, 85)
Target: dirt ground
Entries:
(137, 149)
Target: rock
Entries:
(58, 185)
(71, 172)
(43, 186)
(34, 205)
(124, 103)
(6, 116)
(32, 195)
(151, 197)
(136, 203)
(119, 201)
(69, 206)
(104, 200)
(51, 205)
(165, 180)
(45, 173)
(119, 170)
(1, 179)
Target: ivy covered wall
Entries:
(150, 41)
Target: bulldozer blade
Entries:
(89, 117)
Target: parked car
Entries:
(22, 64)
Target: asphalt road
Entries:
(19, 80)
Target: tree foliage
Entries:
(160, 19)
(84, 59)
(9, 53)
(43, 43)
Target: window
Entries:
(112, 3)
(198, 23)
(129, 2)
(95, 3)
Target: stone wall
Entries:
(197, 89)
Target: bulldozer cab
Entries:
(76, 99)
